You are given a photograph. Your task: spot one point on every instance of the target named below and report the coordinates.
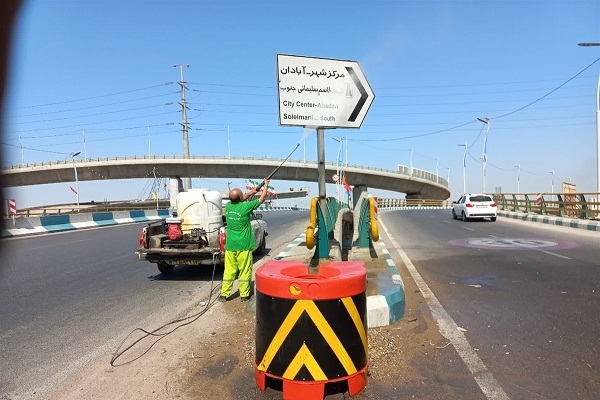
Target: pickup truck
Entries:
(194, 234)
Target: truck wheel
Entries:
(165, 268)
(262, 249)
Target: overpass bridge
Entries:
(419, 184)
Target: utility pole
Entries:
(187, 181)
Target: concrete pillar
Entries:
(412, 196)
(175, 186)
(356, 192)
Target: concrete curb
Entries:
(559, 221)
(25, 226)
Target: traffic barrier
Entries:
(311, 335)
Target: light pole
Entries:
(484, 156)
(448, 177)
(518, 178)
(552, 172)
(149, 152)
(411, 169)
(466, 146)
(76, 179)
(338, 183)
(597, 124)
(437, 175)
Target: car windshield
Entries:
(480, 198)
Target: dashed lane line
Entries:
(449, 329)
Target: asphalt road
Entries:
(528, 296)
(67, 298)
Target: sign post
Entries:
(322, 93)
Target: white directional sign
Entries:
(322, 92)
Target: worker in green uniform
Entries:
(240, 241)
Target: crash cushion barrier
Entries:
(59, 223)
(311, 329)
(560, 221)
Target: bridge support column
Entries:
(356, 192)
(413, 196)
(175, 186)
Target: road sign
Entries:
(335, 177)
(321, 92)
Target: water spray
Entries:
(276, 169)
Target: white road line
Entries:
(449, 329)
(556, 255)
(469, 229)
(446, 221)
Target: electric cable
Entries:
(159, 336)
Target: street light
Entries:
(466, 146)
(552, 172)
(597, 123)
(484, 156)
(338, 183)
(518, 178)
(73, 155)
(411, 169)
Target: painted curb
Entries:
(26, 226)
(559, 221)
(384, 308)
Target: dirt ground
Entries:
(212, 357)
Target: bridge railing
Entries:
(386, 203)
(571, 205)
(416, 173)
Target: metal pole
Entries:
(228, 143)
(149, 151)
(187, 181)
(21, 145)
(484, 156)
(338, 183)
(437, 175)
(464, 167)
(597, 124)
(84, 146)
(411, 169)
(518, 178)
(598, 139)
(76, 182)
(323, 239)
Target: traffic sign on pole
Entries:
(322, 92)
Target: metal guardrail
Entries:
(570, 205)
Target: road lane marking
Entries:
(469, 229)
(556, 255)
(449, 329)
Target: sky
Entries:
(98, 77)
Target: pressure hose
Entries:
(276, 169)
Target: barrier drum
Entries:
(311, 329)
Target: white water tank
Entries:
(201, 208)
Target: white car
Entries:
(474, 206)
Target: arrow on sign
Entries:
(363, 94)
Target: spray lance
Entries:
(276, 169)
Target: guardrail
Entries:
(573, 205)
